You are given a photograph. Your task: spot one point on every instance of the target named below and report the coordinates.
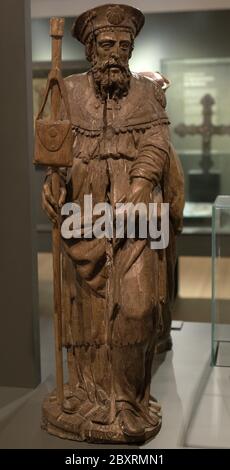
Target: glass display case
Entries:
(198, 101)
(221, 281)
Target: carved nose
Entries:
(114, 55)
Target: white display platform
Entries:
(179, 379)
(210, 424)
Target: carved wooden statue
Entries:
(114, 291)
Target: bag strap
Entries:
(55, 76)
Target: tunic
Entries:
(113, 288)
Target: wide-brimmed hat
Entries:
(106, 17)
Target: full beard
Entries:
(111, 79)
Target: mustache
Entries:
(109, 64)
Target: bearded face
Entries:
(110, 55)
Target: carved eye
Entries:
(106, 45)
(125, 46)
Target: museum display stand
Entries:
(178, 380)
(220, 282)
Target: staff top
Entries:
(57, 27)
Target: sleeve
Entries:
(175, 191)
(153, 152)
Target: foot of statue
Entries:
(73, 400)
(132, 426)
(70, 405)
(76, 419)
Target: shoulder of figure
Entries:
(157, 78)
(77, 79)
(154, 83)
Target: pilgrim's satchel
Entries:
(53, 138)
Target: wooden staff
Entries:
(57, 32)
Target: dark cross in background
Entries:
(206, 129)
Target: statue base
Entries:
(203, 187)
(77, 426)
